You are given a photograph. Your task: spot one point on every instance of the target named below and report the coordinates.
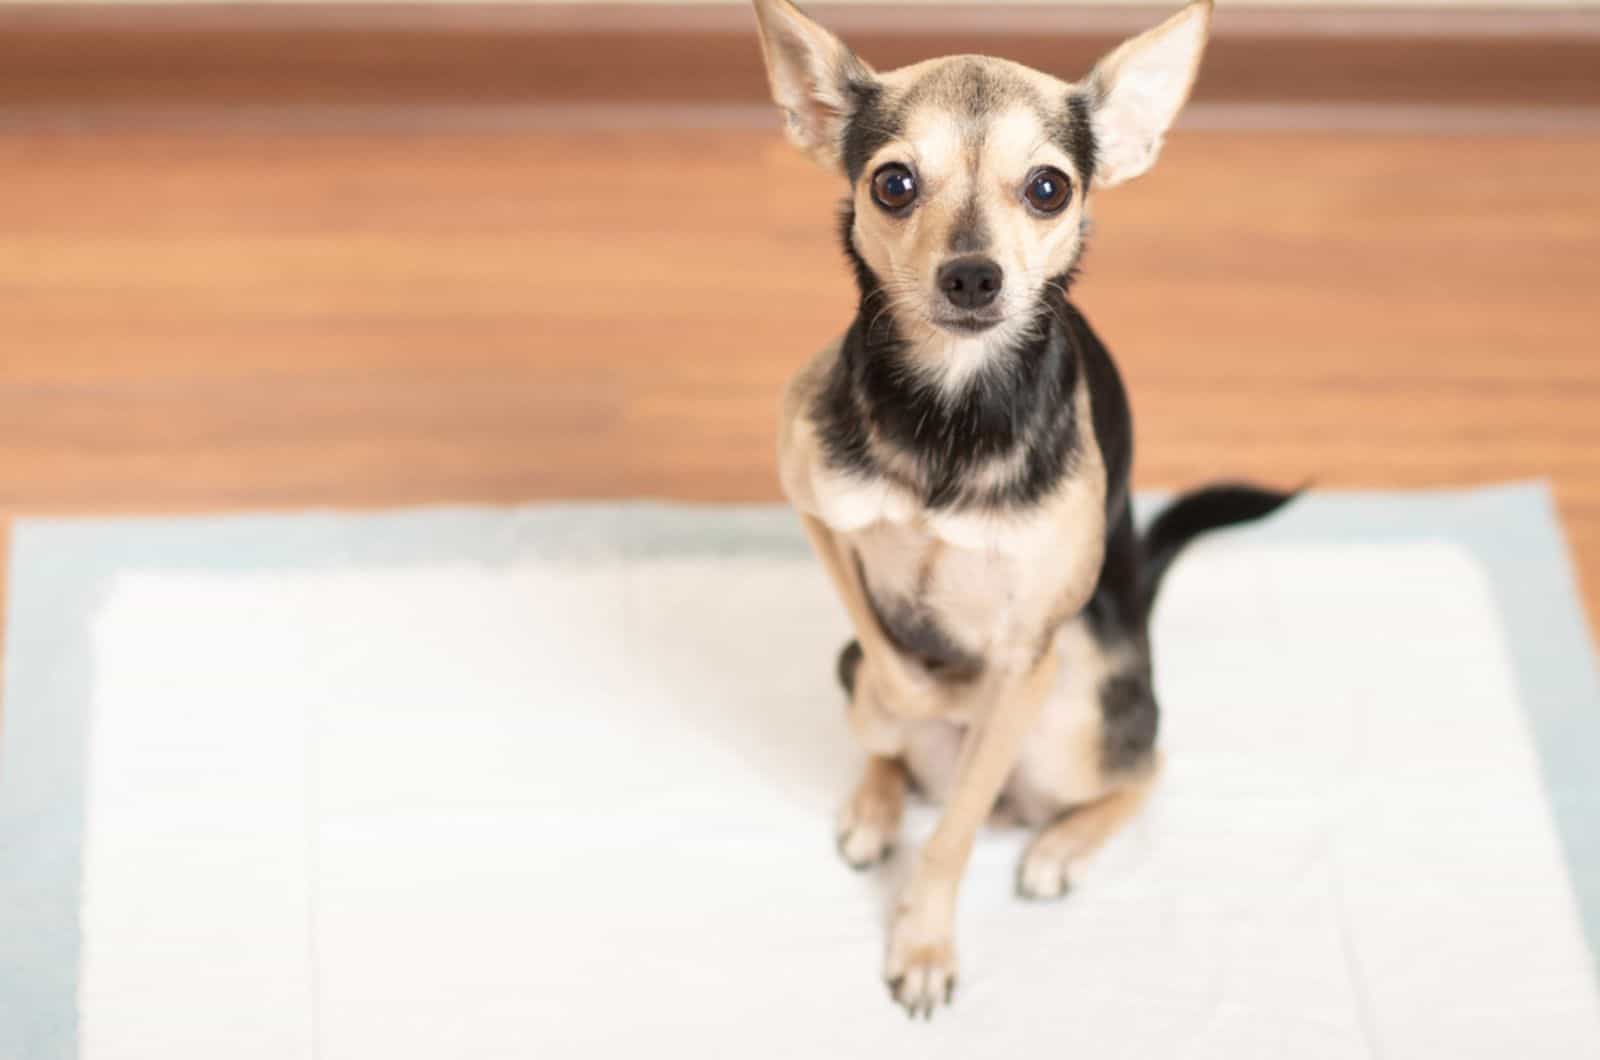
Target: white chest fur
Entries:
(850, 505)
(985, 579)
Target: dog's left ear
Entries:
(1137, 91)
(817, 81)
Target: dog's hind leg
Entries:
(1063, 846)
(869, 822)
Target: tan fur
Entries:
(906, 253)
(808, 69)
(921, 963)
(1144, 83)
(870, 821)
(1061, 764)
(1005, 584)
(1046, 868)
(1006, 577)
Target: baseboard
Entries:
(169, 63)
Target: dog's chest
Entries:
(948, 587)
(941, 603)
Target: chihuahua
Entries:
(960, 458)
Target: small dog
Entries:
(961, 457)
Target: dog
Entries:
(960, 458)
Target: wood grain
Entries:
(244, 321)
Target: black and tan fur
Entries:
(962, 465)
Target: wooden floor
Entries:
(215, 321)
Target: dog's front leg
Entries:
(920, 966)
(887, 689)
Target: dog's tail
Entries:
(1196, 513)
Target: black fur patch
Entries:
(873, 124)
(1196, 513)
(1130, 717)
(917, 635)
(1116, 611)
(1021, 402)
(849, 662)
(1108, 400)
(1073, 132)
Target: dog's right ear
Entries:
(817, 81)
(1138, 90)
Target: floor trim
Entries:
(200, 63)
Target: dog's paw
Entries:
(869, 824)
(866, 833)
(920, 971)
(1045, 871)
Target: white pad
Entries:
(584, 809)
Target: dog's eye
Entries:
(1048, 190)
(893, 187)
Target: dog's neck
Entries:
(960, 421)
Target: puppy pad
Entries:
(561, 782)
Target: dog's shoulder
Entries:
(845, 498)
(797, 430)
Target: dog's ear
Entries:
(1137, 90)
(817, 81)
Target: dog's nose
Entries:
(970, 283)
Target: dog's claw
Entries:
(921, 977)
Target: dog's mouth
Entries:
(967, 323)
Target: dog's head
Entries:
(969, 175)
